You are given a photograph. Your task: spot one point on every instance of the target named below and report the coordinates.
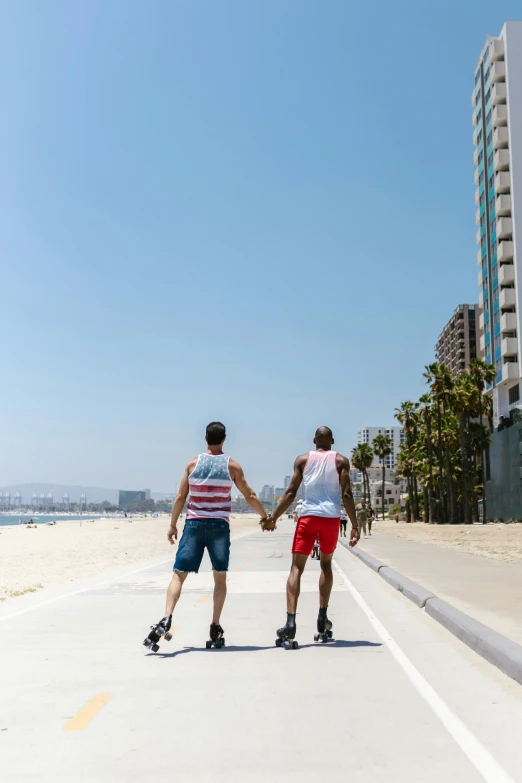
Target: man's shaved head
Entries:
(323, 438)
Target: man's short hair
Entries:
(216, 433)
(323, 432)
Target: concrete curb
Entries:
(503, 653)
(416, 593)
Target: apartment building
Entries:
(457, 343)
(497, 136)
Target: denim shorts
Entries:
(214, 534)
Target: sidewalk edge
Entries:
(495, 648)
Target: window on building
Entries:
(494, 248)
(488, 96)
(493, 225)
(480, 157)
(488, 117)
(477, 77)
(514, 395)
(491, 181)
(490, 161)
(483, 221)
(479, 116)
(492, 205)
(489, 138)
(486, 75)
(481, 178)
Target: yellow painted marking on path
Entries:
(89, 711)
(202, 599)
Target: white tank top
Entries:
(321, 485)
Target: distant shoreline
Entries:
(40, 519)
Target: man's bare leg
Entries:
(220, 593)
(324, 626)
(293, 585)
(325, 580)
(174, 591)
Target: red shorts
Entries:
(307, 530)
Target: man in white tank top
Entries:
(326, 477)
(207, 482)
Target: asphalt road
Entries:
(394, 697)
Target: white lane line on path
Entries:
(83, 590)
(100, 584)
(479, 756)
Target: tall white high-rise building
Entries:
(396, 435)
(497, 136)
(497, 120)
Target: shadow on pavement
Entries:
(336, 643)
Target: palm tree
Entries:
(408, 416)
(465, 405)
(482, 373)
(426, 413)
(382, 448)
(362, 458)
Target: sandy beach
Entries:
(47, 556)
(498, 542)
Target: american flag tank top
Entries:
(210, 488)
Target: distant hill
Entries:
(93, 494)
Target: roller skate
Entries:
(217, 638)
(324, 627)
(286, 634)
(156, 632)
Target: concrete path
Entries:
(394, 698)
(488, 590)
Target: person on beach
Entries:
(362, 517)
(344, 520)
(326, 478)
(207, 482)
(371, 517)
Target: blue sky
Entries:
(261, 212)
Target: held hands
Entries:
(267, 524)
(173, 533)
(354, 536)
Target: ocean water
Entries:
(40, 519)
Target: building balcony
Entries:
(503, 206)
(507, 298)
(499, 115)
(479, 257)
(482, 343)
(504, 228)
(509, 346)
(506, 274)
(478, 236)
(475, 137)
(502, 182)
(498, 96)
(481, 299)
(479, 279)
(476, 177)
(475, 156)
(474, 98)
(477, 196)
(508, 322)
(498, 72)
(482, 322)
(477, 217)
(502, 160)
(496, 50)
(510, 372)
(505, 251)
(500, 138)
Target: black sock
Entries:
(322, 611)
(290, 619)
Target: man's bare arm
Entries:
(179, 502)
(291, 491)
(238, 477)
(343, 466)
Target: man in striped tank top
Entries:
(326, 478)
(207, 482)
